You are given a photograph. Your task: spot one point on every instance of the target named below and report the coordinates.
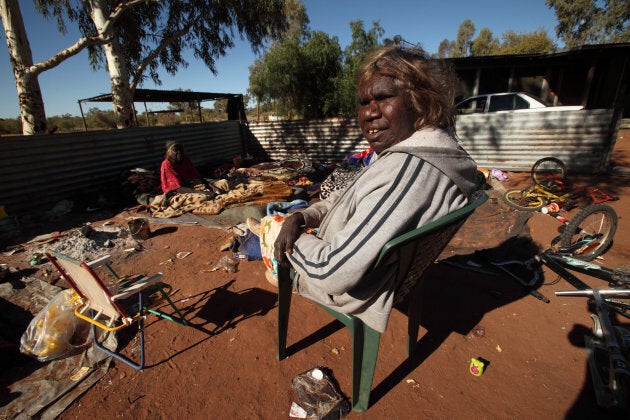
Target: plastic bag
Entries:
(226, 263)
(56, 332)
(319, 396)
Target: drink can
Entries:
(551, 208)
(476, 367)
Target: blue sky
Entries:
(421, 21)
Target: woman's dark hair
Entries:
(173, 144)
(430, 83)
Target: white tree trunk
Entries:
(122, 96)
(29, 93)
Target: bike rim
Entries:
(594, 232)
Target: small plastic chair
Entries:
(413, 253)
(115, 306)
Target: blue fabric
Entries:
(282, 208)
(250, 246)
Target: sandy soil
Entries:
(224, 364)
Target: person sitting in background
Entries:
(418, 174)
(177, 172)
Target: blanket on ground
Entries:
(167, 206)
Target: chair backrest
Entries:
(93, 292)
(416, 250)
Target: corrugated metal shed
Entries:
(513, 141)
(319, 140)
(36, 171)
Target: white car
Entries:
(504, 102)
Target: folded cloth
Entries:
(282, 208)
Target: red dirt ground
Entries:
(224, 365)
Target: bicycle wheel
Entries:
(548, 171)
(524, 200)
(590, 233)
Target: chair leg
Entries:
(137, 366)
(180, 318)
(371, 340)
(284, 306)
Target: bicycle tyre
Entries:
(548, 170)
(595, 225)
(519, 201)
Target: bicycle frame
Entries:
(611, 384)
(559, 262)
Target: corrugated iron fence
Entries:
(36, 171)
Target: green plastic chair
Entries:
(415, 251)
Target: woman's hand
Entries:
(292, 228)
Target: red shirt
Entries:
(175, 175)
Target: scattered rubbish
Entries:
(318, 395)
(226, 245)
(167, 262)
(478, 366)
(55, 331)
(109, 244)
(499, 349)
(183, 254)
(498, 175)
(4, 272)
(139, 228)
(479, 331)
(413, 383)
(297, 412)
(226, 263)
(80, 373)
(61, 208)
(36, 259)
(240, 256)
(87, 231)
(47, 237)
(176, 221)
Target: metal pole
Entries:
(82, 116)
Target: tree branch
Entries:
(58, 58)
(163, 44)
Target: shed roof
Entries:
(154, 95)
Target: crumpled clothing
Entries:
(283, 208)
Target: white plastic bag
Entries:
(56, 332)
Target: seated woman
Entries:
(177, 173)
(418, 174)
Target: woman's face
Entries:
(175, 154)
(385, 115)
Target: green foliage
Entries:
(529, 43)
(10, 126)
(464, 39)
(486, 44)
(582, 22)
(354, 55)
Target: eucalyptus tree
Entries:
(354, 55)
(26, 72)
(583, 22)
(154, 35)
